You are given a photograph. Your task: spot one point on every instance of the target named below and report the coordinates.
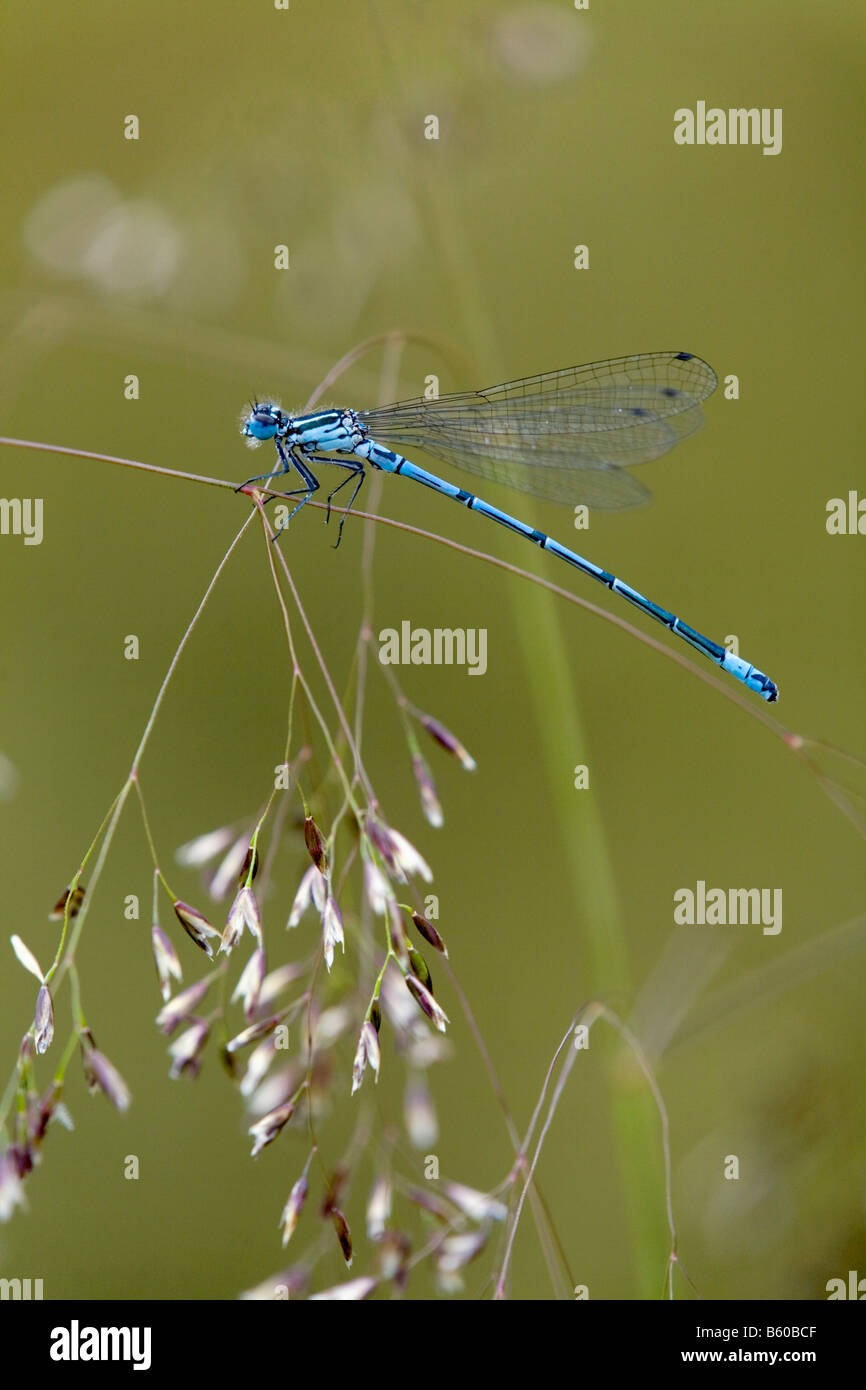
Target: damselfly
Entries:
(567, 436)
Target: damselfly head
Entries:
(261, 422)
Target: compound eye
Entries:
(264, 422)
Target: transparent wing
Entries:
(604, 485)
(587, 422)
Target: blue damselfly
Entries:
(567, 436)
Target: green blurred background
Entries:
(155, 257)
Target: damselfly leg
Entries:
(355, 471)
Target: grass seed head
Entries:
(427, 1003)
(196, 926)
(430, 803)
(315, 845)
(185, 1051)
(103, 1075)
(446, 740)
(293, 1208)
(43, 1020)
(366, 1053)
(182, 1006)
(165, 959)
(429, 933)
(265, 1130)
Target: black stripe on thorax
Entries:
(302, 424)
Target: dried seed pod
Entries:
(249, 868)
(265, 1130)
(293, 1208)
(249, 984)
(165, 959)
(254, 1032)
(427, 1003)
(447, 740)
(381, 841)
(332, 931)
(179, 1008)
(315, 843)
(344, 1235)
(185, 1051)
(429, 933)
(367, 1052)
(196, 926)
(102, 1075)
(430, 803)
(43, 1020)
(312, 889)
(244, 912)
(407, 858)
